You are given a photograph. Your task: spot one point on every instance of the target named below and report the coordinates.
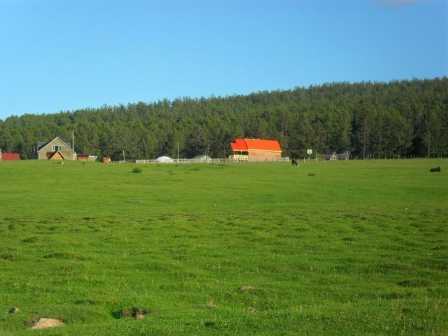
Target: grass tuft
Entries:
(136, 170)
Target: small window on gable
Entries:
(57, 148)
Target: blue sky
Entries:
(62, 55)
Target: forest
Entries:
(370, 119)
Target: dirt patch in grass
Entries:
(211, 304)
(251, 310)
(133, 312)
(45, 323)
(247, 288)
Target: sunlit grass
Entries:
(331, 248)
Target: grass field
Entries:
(329, 248)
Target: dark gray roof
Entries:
(40, 144)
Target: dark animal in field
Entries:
(435, 170)
(294, 162)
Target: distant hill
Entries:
(406, 118)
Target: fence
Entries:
(208, 161)
(282, 160)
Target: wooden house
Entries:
(256, 150)
(56, 149)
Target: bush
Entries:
(136, 170)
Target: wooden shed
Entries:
(256, 150)
(9, 156)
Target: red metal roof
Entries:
(261, 144)
(10, 156)
(239, 145)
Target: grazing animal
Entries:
(294, 162)
(435, 170)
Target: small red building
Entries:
(256, 150)
(82, 157)
(8, 156)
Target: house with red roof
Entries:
(256, 150)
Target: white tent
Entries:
(164, 159)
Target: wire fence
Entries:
(207, 161)
(284, 159)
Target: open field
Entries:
(329, 248)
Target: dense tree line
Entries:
(402, 118)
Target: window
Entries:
(57, 148)
(241, 153)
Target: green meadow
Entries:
(327, 248)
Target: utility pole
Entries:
(73, 144)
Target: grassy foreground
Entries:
(328, 248)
